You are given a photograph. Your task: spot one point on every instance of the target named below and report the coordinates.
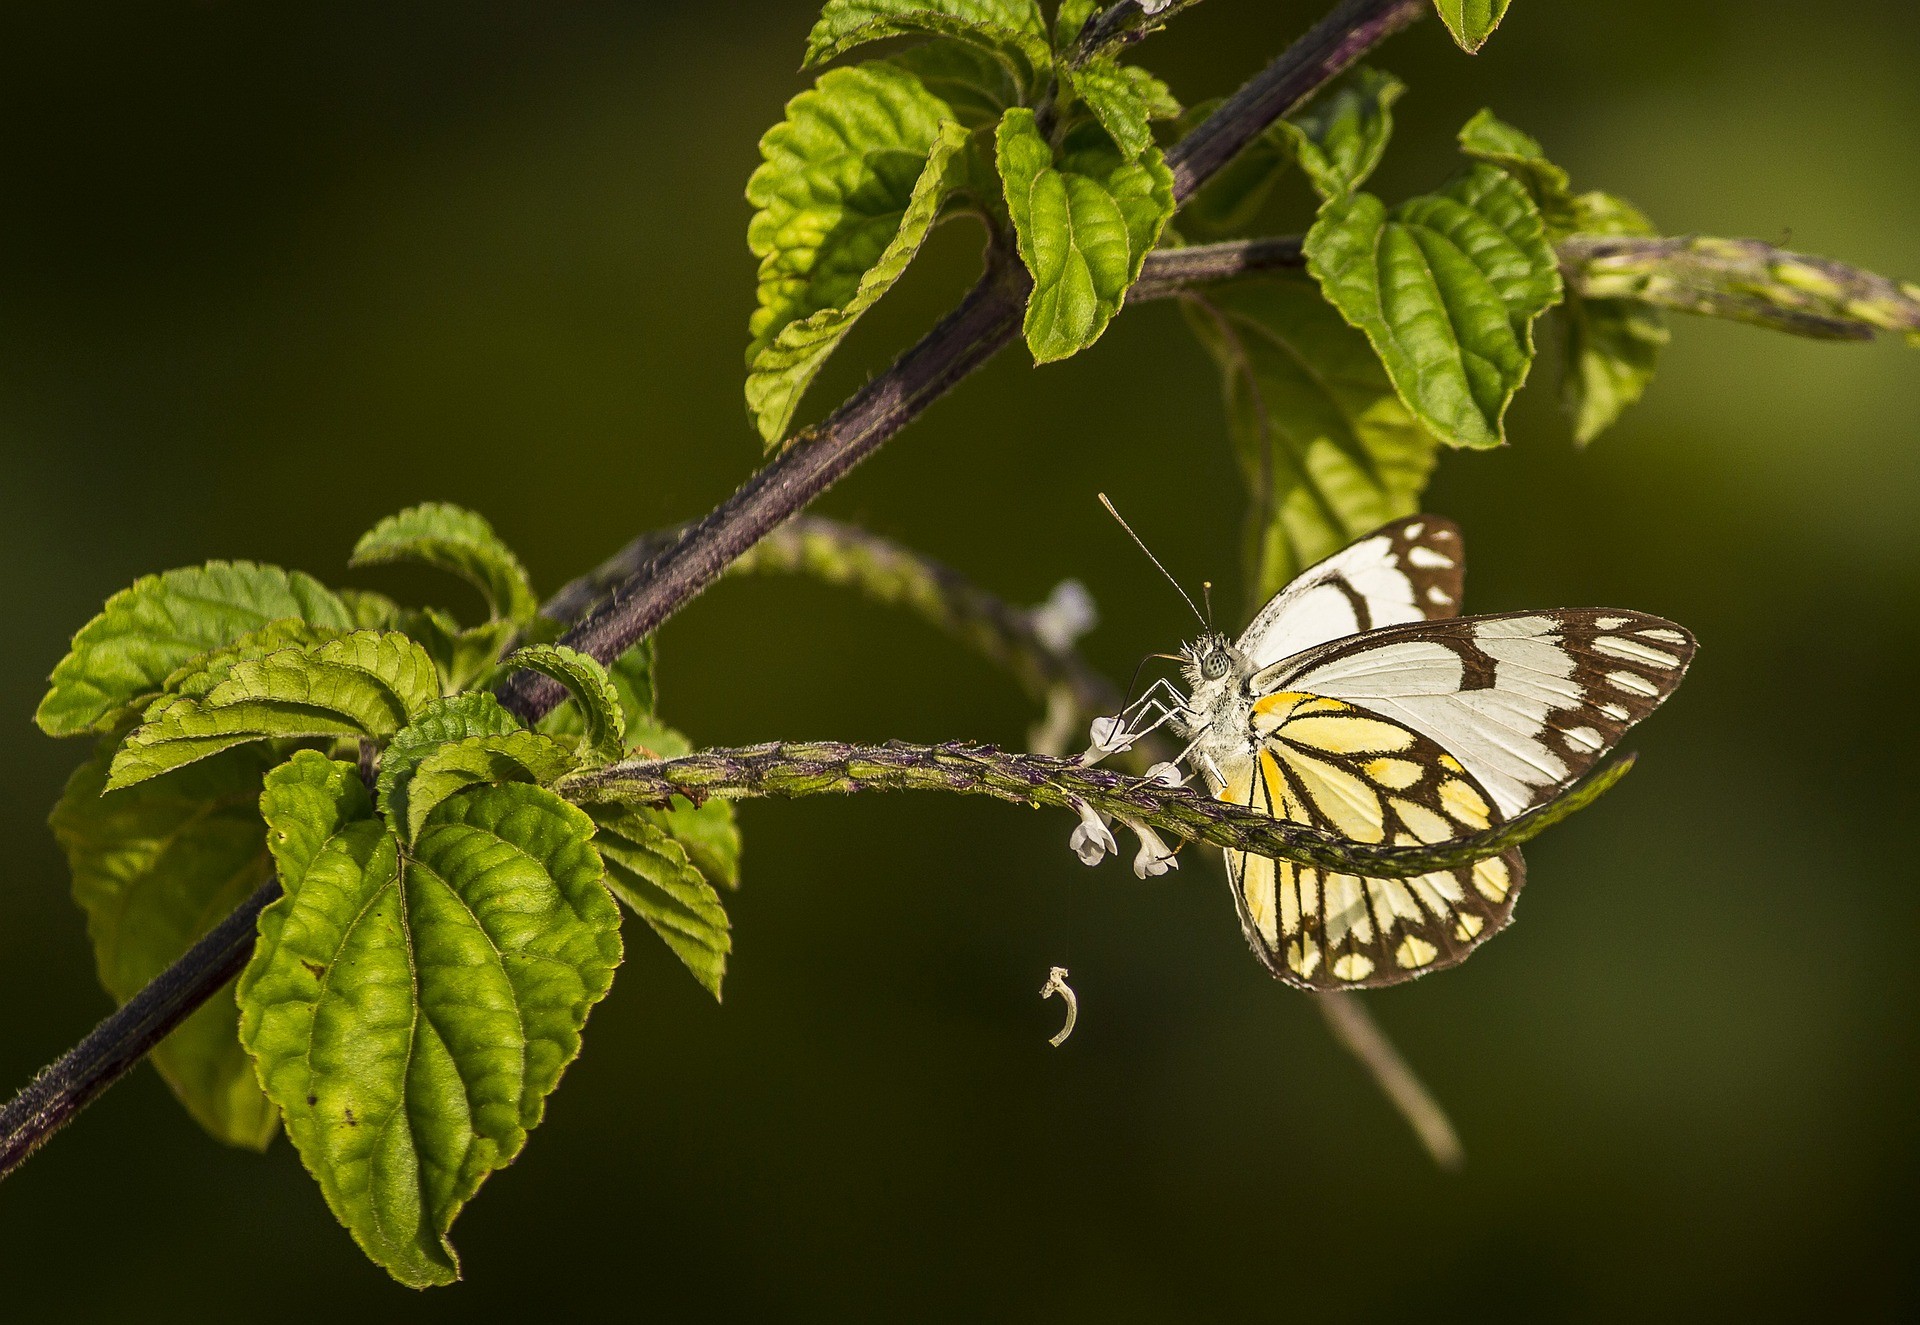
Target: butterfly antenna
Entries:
(1155, 560)
(1206, 596)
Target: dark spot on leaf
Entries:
(315, 968)
(351, 1120)
(312, 1100)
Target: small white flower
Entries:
(1067, 614)
(1153, 859)
(1109, 737)
(1092, 840)
(1154, 6)
(1167, 775)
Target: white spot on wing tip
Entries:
(1413, 530)
(1614, 646)
(1427, 559)
(1633, 683)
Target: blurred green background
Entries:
(272, 271)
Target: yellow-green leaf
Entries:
(1446, 287)
(410, 1011)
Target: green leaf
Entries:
(369, 683)
(154, 868)
(846, 192)
(1487, 138)
(447, 770)
(410, 1011)
(781, 372)
(457, 743)
(649, 871)
(976, 86)
(1013, 27)
(459, 542)
(1084, 228)
(1329, 450)
(370, 610)
(1124, 98)
(604, 738)
(451, 719)
(209, 669)
(1070, 20)
(1339, 138)
(1446, 287)
(164, 621)
(466, 656)
(1612, 345)
(632, 674)
(1471, 21)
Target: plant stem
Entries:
(986, 319)
(124, 1038)
(1354, 1027)
(792, 769)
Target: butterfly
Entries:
(1358, 703)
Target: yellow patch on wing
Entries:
(1348, 735)
(1257, 886)
(1347, 911)
(1439, 893)
(1393, 774)
(1468, 926)
(1344, 800)
(1492, 879)
(1353, 966)
(1414, 952)
(1423, 823)
(1303, 958)
(1464, 803)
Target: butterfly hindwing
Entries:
(1337, 768)
(1526, 701)
(1410, 570)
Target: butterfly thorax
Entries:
(1220, 704)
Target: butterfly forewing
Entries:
(1526, 701)
(1410, 570)
(1335, 767)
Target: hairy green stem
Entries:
(792, 769)
(1743, 280)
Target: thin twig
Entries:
(1743, 280)
(792, 769)
(1354, 1027)
(985, 321)
(124, 1038)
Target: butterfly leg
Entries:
(1161, 704)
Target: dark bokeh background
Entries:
(268, 272)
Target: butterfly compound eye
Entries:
(1215, 665)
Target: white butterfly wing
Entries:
(1526, 701)
(1410, 570)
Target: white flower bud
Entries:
(1109, 736)
(1153, 859)
(1167, 775)
(1092, 840)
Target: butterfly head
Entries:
(1210, 660)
